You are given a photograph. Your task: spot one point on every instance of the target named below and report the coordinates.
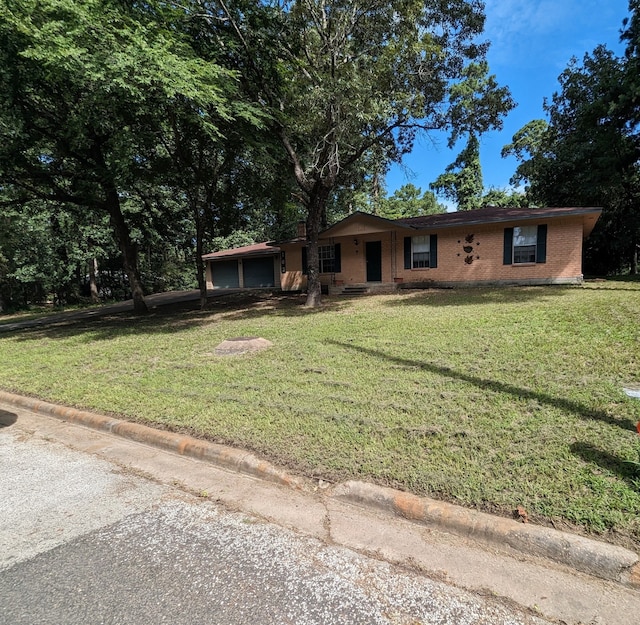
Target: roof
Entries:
(379, 222)
(493, 214)
(257, 249)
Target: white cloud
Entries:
(515, 27)
(548, 32)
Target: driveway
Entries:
(153, 301)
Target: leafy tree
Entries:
(82, 84)
(525, 144)
(462, 180)
(351, 77)
(587, 154)
(409, 201)
(505, 198)
(50, 250)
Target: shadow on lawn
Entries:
(479, 295)
(594, 455)
(583, 411)
(169, 318)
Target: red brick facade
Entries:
(468, 249)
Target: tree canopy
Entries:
(82, 87)
(171, 124)
(587, 154)
(360, 77)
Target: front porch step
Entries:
(354, 289)
(362, 289)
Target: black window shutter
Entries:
(305, 267)
(508, 247)
(541, 248)
(433, 251)
(407, 252)
(337, 261)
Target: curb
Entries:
(227, 457)
(583, 554)
(589, 556)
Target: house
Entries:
(487, 246)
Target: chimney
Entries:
(302, 229)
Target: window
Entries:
(326, 254)
(525, 245)
(329, 259)
(421, 252)
(525, 240)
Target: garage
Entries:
(225, 275)
(258, 272)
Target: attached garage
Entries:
(225, 274)
(252, 267)
(258, 272)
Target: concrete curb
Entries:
(589, 556)
(227, 457)
(583, 554)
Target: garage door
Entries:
(258, 272)
(225, 275)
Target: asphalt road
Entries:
(83, 541)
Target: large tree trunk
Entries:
(129, 254)
(317, 209)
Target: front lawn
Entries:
(491, 398)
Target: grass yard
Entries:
(491, 398)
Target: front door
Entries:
(373, 253)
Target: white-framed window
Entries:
(420, 250)
(525, 241)
(327, 257)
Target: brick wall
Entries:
(563, 259)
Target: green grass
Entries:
(491, 398)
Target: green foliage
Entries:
(163, 119)
(587, 153)
(84, 90)
(505, 198)
(359, 78)
(409, 201)
(477, 102)
(239, 238)
(462, 181)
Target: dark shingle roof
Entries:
(491, 214)
(257, 249)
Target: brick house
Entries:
(488, 246)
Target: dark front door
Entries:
(373, 253)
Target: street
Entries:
(84, 541)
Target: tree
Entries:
(409, 201)
(587, 154)
(50, 251)
(354, 76)
(462, 180)
(505, 198)
(82, 84)
(528, 142)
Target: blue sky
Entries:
(532, 42)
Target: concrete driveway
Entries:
(153, 301)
